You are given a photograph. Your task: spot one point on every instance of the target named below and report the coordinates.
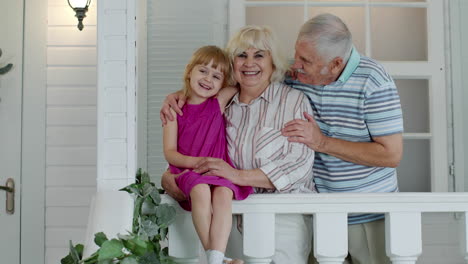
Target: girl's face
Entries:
(205, 82)
(253, 68)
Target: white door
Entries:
(11, 44)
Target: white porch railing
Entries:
(112, 213)
(402, 223)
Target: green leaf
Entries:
(92, 259)
(149, 258)
(138, 176)
(100, 238)
(150, 228)
(148, 207)
(132, 188)
(138, 246)
(163, 232)
(136, 214)
(147, 189)
(74, 253)
(155, 196)
(145, 178)
(129, 260)
(111, 249)
(166, 215)
(68, 260)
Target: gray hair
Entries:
(330, 35)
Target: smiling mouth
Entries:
(204, 86)
(250, 73)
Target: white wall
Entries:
(71, 127)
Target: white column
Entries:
(403, 237)
(465, 237)
(116, 94)
(183, 239)
(330, 237)
(259, 237)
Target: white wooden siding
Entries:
(71, 134)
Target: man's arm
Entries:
(385, 151)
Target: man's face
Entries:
(310, 68)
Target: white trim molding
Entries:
(34, 133)
(116, 94)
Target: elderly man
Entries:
(356, 129)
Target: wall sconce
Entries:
(80, 7)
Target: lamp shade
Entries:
(79, 3)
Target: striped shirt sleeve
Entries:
(285, 163)
(382, 111)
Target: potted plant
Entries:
(142, 245)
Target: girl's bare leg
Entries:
(201, 212)
(222, 218)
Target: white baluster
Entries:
(465, 237)
(183, 239)
(330, 237)
(403, 237)
(259, 237)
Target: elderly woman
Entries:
(263, 158)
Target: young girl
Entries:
(199, 133)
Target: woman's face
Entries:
(253, 68)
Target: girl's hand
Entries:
(217, 167)
(173, 101)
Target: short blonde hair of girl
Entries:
(203, 56)
(262, 38)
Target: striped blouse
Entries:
(255, 140)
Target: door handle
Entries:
(10, 195)
(7, 68)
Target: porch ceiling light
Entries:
(80, 7)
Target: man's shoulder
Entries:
(285, 87)
(369, 68)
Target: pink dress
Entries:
(202, 133)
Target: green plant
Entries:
(151, 220)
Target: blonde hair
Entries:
(262, 38)
(203, 56)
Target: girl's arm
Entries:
(170, 147)
(225, 95)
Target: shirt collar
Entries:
(352, 64)
(267, 95)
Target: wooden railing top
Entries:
(349, 203)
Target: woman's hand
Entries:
(217, 167)
(173, 101)
(169, 184)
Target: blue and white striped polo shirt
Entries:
(363, 103)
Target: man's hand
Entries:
(175, 101)
(169, 184)
(307, 132)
